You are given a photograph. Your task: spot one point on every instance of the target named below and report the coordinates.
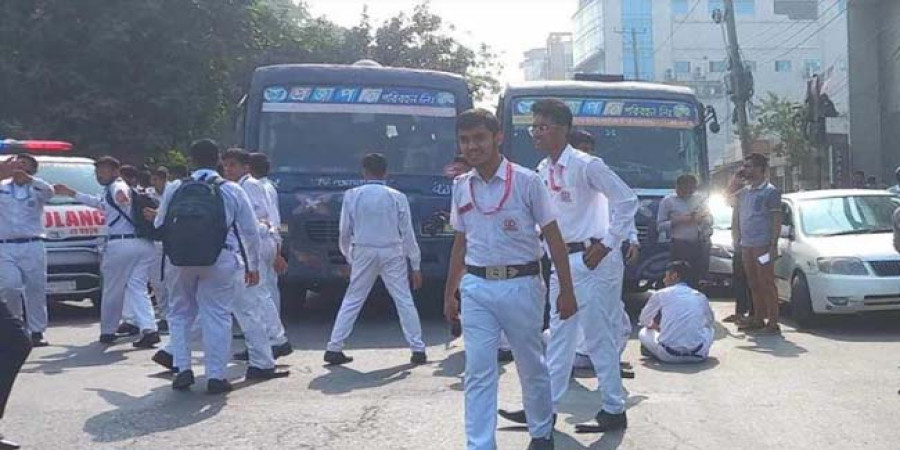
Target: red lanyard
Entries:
(506, 191)
(553, 186)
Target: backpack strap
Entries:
(112, 202)
(217, 182)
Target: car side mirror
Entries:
(787, 232)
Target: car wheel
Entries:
(801, 302)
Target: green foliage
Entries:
(779, 118)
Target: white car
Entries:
(837, 253)
(721, 249)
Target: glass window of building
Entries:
(682, 67)
(637, 39)
(811, 67)
(680, 7)
(741, 7)
(717, 66)
(783, 66)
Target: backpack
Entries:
(143, 228)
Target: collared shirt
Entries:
(274, 212)
(578, 184)
(673, 206)
(375, 215)
(508, 236)
(22, 208)
(116, 222)
(687, 319)
(238, 211)
(756, 205)
(256, 192)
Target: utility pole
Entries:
(634, 49)
(741, 79)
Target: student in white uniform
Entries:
(23, 259)
(159, 182)
(687, 328)
(210, 265)
(126, 260)
(377, 238)
(497, 211)
(253, 305)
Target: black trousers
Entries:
(696, 253)
(743, 304)
(15, 345)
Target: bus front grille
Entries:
(323, 230)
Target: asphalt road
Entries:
(835, 387)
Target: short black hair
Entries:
(259, 165)
(682, 268)
(375, 164)
(204, 153)
(579, 137)
(553, 109)
(685, 179)
(239, 155)
(128, 171)
(108, 161)
(32, 161)
(143, 177)
(758, 160)
(178, 171)
(161, 172)
(477, 117)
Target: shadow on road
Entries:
(343, 379)
(608, 441)
(73, 356)
(654, 364)
(162, 409)
(773, 345)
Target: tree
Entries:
(780, 118)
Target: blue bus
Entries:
(316, 122)
(647, 133)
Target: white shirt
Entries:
(22, 208)
(116, 223)
(238, 210)
(256, 192)
(687, 320)
(375, 215)
(274, 213)
(577, 183)
(510, 235)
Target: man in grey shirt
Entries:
(759, 226)
(685, 217)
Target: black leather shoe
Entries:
(37, 340)
(282, 350)
(183, 380)
(605, 422)
(128, 329)
(504, 356)
(241, 356)
(336, 358)
(513, 416)
(164, 359)
(7, 444)
(162, 325)
(626, 374)
(214, 386)
(418, 358)
(541, 443)
(148, 340)
(108, 339)
(255, 373)
(646, 352)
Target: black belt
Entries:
(505, 272)
(20, 240)
(113, 237)
(578, 247)
(674, 352)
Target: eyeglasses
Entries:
(540, 129)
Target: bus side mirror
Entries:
(712, 118)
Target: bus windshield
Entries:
(647, 152)
(316, 130)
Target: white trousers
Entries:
(204, 294)
(23, 280)
(598, 294)
(650, 339)
(271, 309)
(515, 307)
(126, 268)
(271, 282)
(624, 335)
(158, 282)
(367, 264)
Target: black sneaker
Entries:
(282, 350)
(541, 443)
(605, 422)
(6, 444)
(128, 329)
(37, 340)
(108, 339)
(148, 340)
(164, 359)
(513, 416)
(183, 380)
(214, 386)
(241, 356)
(255, 373)
(418, 358)
(505, 356)
(162, 325)
(336, 358)
(626, 374)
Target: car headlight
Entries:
(842, 266)
(720, 251)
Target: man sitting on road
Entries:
(686, 329)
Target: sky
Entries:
(509, 27)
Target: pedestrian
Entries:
(23, 258)
(858, 180)
(254, 309)
(582, 140)
(377, 239)
(259, 168)
(758, 227)
(582, 189)
(126, 259)
(15, 346)
(679, 326)
(685, 217)
(210, 236)
(127, 326)
(496, 212)
(743, 303)
(895, 189)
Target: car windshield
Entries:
(720, 211)
(859, 214)
(77, 175)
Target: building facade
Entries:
(553, 62)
